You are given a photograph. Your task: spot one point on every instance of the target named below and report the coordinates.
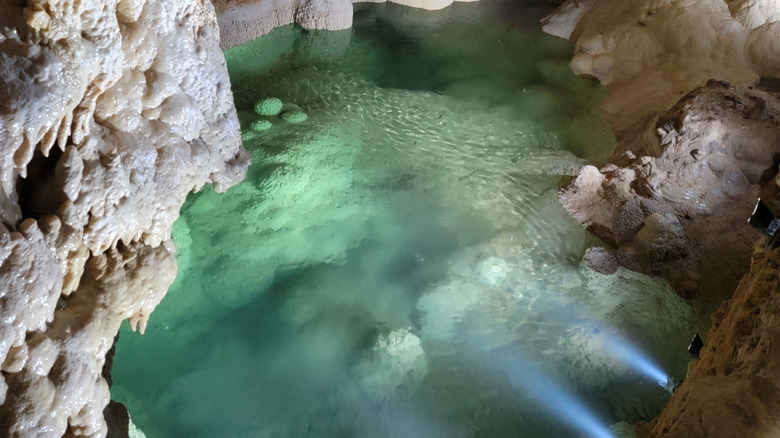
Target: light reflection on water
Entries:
(398, 265)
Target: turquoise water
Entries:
(398, 265)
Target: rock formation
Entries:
(682, 149)
(674, 212)
(650, 53)
(695, 110)
(110, 114)
(244, 20)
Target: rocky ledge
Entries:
(676, 212)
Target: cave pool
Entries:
(398, 265)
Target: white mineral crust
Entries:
(652, 52)
(110, 114)
(244, 20)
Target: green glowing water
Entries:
(382, 253)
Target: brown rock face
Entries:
(733, 389)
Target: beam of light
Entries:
(637, 360)
(525, 377)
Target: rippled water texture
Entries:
(398, 265)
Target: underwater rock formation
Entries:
(396, 363)
(110, 114)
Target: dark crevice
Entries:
(38, 192)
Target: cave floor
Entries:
(398, 265)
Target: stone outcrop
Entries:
(110, 114)
(673, 213)
(695, 132)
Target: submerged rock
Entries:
(260, 125)
(601, 260)
(270, 106)
(395, 364)
(661, 238)
(294, 116)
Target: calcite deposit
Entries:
(652, 52)
(110, 114)
(244, 20)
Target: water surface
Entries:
(398, 264)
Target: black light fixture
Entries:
(696, 345)
(762, 219)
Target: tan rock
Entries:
(702, 161)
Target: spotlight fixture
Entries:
(696, 345)
(763, 220)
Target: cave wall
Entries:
(694, 105)
(650, 53)
(733, 389)
(111, 112)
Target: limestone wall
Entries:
(111, 112)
